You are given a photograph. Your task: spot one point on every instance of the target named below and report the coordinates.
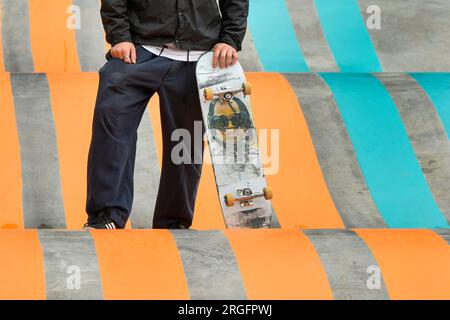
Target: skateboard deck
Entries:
(233, 143)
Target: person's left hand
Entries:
(224, 55)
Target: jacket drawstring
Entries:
(162, 49)
(186, 87)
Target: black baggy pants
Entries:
(123, 94)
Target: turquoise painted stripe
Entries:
(437, 86)
(384, 152)
(274, 37)
(348, 38)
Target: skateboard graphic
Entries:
(232, 138)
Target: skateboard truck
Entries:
(227, 93)
(245, 197)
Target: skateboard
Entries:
(233, 143)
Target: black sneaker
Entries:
(103, 221)
(177, 225)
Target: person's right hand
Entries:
(124, 51)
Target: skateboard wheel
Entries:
(229, 200)
(267, 193)
(208, 93)
(247, 88)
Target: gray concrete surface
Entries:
(248, 56)
(414, 34)
(310, 37)
(42, 195)
(445, 234)
(147, 172)
(71, 266)
(90, 40)
(347, 261)
(209, 264)
(335, 152)
(426, 133)
(16, 42)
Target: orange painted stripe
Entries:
(207, 213)
(73, 99)
(22, 273)
(415, 263)
(301, 197)
(53, 44)
(140, 264)
(299, 179)
(279, 264)
(10, 171)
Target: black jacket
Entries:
(191, 24)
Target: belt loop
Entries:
(187, 77)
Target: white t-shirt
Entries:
(174, 53)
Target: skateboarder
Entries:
(155, 46)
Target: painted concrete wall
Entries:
(303, 35)
(360, 173)
(354, 150)
(259, 264)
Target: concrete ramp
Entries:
(250, 264)
(352, 103)
(283, 36)
(347, 151)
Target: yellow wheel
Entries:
(247, 88)
(208, 93)
(267, 193)
(229, 200)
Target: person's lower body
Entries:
(123, 94)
